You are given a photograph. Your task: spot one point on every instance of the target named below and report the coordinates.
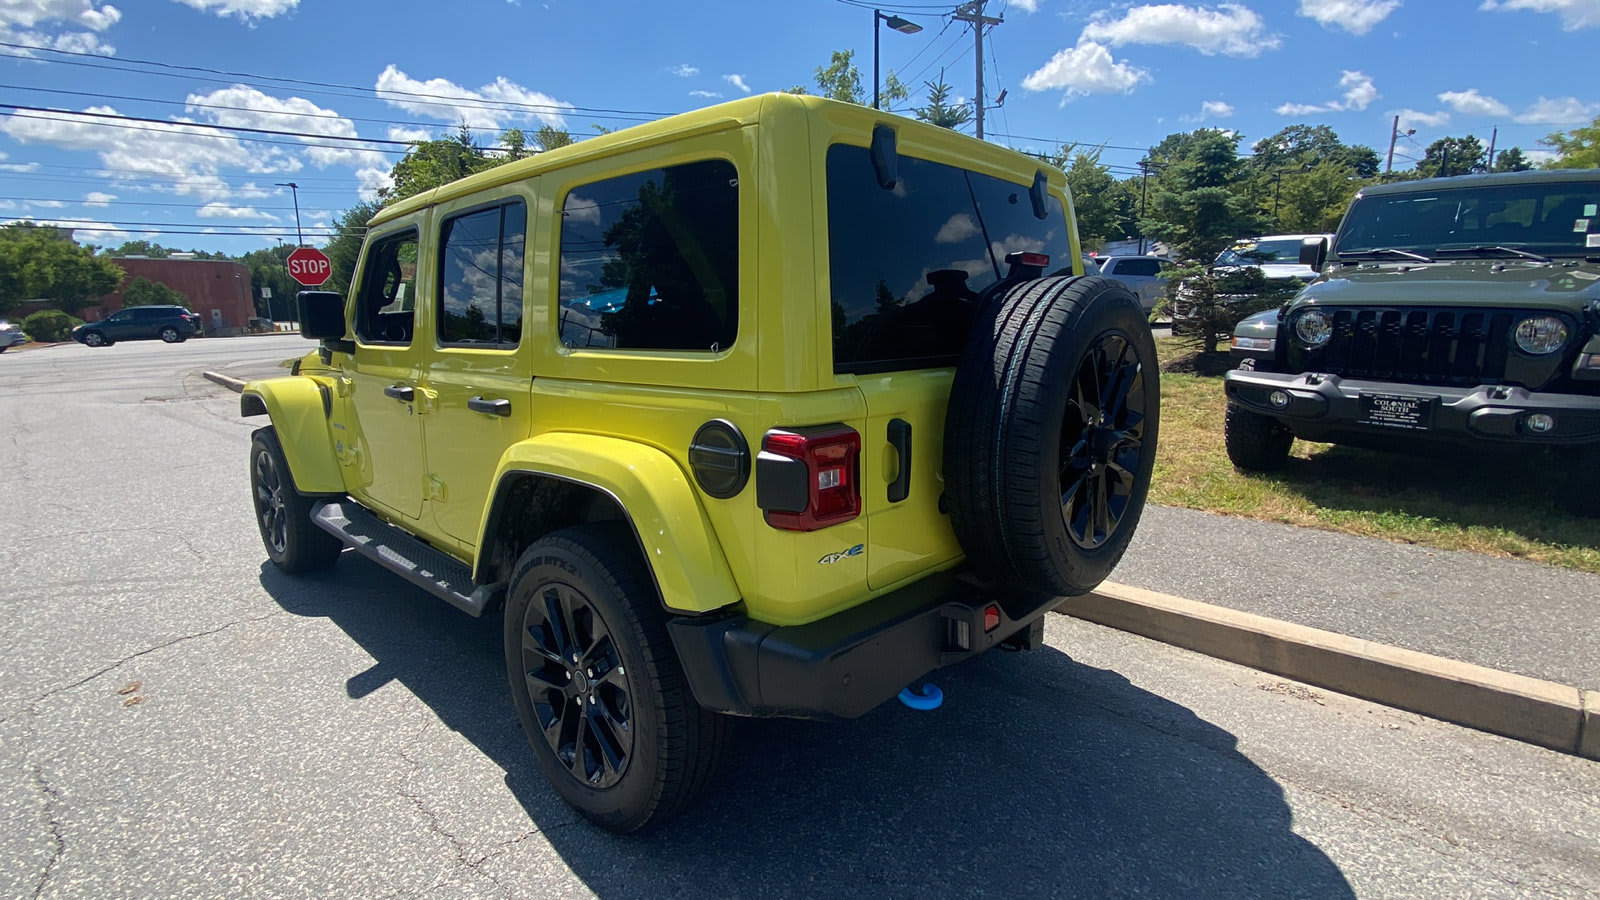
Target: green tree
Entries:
(1315, 201)
(139, 248)
(141, 291)
(550, 137)
(515, 142)
(1303, 147)
(429, 164)
(49, 326)
(1095, 195)
(44, 262)
(269, 269)
(1575, 149)
(1452, 156)
(346, 246)
(1511, 161)
(840, 79)
(939, 111)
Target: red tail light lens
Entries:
(830, 462)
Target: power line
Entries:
(179, 127)
(237, 225)
(594, 112)
(85, 200)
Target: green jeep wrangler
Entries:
(1453, 312)
(769, 409)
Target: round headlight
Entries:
(1314, 327)
(1541, 335)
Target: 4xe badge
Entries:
(832, 558)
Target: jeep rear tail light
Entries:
(809, 478)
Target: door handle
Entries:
(501, 407)
(402, 392)
(900, 439)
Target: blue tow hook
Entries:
(928, 698)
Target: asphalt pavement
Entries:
(178, 719)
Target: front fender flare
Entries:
(298, 407)
(676, 536)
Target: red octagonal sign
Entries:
(309, 266)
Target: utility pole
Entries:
(1492, 136)
(972, 13)
(1144, 185)
(1394, 134)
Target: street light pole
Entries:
(295, 189)
(903, 26)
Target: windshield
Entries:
(1552, 218)
(1254, 253)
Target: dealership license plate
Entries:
(1398, 411)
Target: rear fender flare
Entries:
(676, 537)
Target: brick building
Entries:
(218, 290)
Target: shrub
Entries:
(1205, 306)
(141, 291)
(49, 326)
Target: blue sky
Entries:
(1120, 74)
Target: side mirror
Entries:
(322, 317)
(1314, 252)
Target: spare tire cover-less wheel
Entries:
(1051, 433)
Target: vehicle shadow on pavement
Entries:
(1039, 776)
(1460, 487)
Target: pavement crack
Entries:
(28, 708)
(51, 799)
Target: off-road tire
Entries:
(676, 745)
(300, 546)
(1581, 486)
(1007, 428)
(1255, 443)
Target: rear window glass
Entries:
(906, 265)
(650, 261)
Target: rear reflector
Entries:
(991, 618)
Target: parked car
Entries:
(10, 336)
(1276, 255)
(1144, 275)
(172, 324)
(1453, 312)
(774, 450)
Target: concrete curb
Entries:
(232, 384)
(1551, 715)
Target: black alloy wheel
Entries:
(1101, 437)
(270, 507)
(578, 685)
(293, 541)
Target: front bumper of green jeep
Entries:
(846, 664)
(1342, 410)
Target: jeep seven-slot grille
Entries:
(1422, 345)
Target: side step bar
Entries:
(434, 571)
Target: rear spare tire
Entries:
(1051, 433)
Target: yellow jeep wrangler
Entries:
(768, 409)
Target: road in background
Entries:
(178, 719)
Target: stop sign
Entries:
(309, 266)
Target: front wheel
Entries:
(96, 339)
(294, 543)
(597, 684)
(1255, 443)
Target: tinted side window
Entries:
(386, 308)
(480, 277)
(907, 265)
(650, 261)
(1138, 267)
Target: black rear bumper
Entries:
(846, 664)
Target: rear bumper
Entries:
(1329, 407)
(846, 664)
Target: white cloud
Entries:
(1027, 6)
(45, 204)
(737, 81)
(244, 107)
(20, 21)
(1212, 109)
(956, 229)
(372, 179)
(98, 198)
(224, 211)
(707, 94)
(1575, 14)
(245, 10)
(88, 230)
(1086, 69)
(1558, 111)
(1359, 92)
(493, 106)
(1471, 103)
(1410, 117)
(685, 70)
(1354, 16)
(397, 133)
(193, 158)
(1230, 29)
(1539, 157)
